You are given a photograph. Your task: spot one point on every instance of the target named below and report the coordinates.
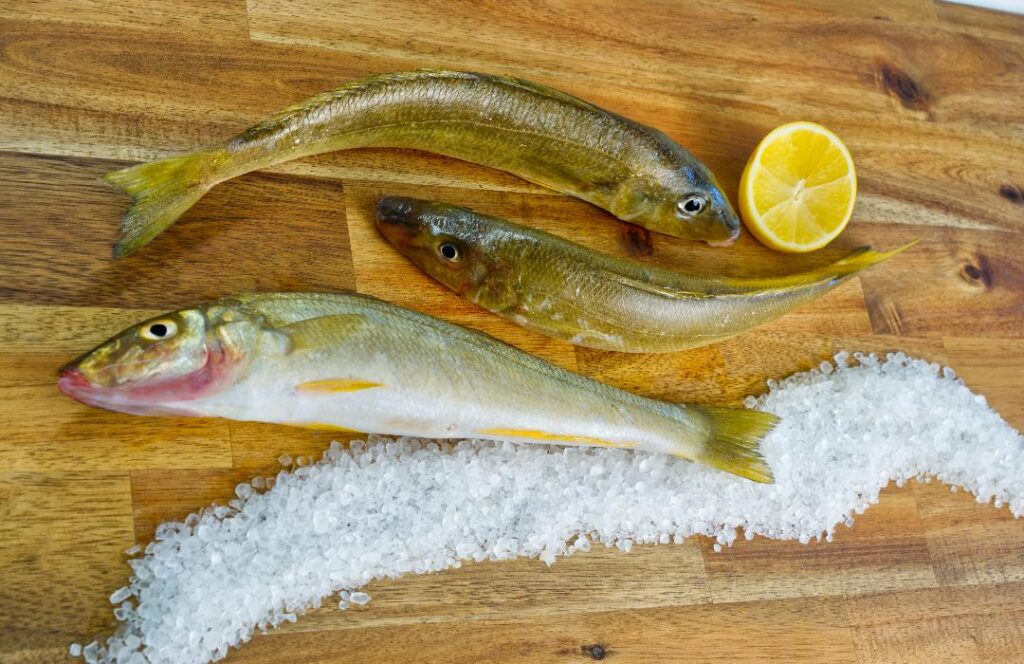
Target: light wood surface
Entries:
(928, 96)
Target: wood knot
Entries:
(594, 650)
(900, 85)
(1012, 193)
(978, 272)
(637, 240)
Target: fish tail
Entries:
(861, 258)
(734, 440)
(161, 192)
(830, 275)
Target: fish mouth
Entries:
(72, 382)
(728, 242)
(732, 223)
(137, 400)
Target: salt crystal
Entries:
(131, 551)
(120, 595)
(285, 460)
(387, 507)
(75, 650)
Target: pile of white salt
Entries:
(389, 508)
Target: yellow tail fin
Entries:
(861, 258)
(734, 444)
(847, 266)
(161, 192)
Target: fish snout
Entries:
(729, 222)
(398, 216)
(72, 382)
(400, 221)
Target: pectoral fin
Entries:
(323, 332)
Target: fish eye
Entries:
(160, 329)
(449, 251)
(692, 206)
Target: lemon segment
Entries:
(798, 189)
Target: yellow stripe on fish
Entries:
(554, 437)
(336, 385)
(324, 426)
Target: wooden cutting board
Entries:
(928, 96)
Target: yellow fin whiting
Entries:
(554, 437)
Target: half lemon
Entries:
(798, 189)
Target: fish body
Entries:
(350, 362)
(547, 137)
(569, 292)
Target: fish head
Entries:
(458, 247)
(683, 201)
(700, 208)
(159, 366)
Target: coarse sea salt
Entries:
(393, 507)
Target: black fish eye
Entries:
(160, 329)
(693, 205)
(449, 251)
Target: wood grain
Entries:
(885, 550)
(946, 624)
(811, 630)
(927, 95)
